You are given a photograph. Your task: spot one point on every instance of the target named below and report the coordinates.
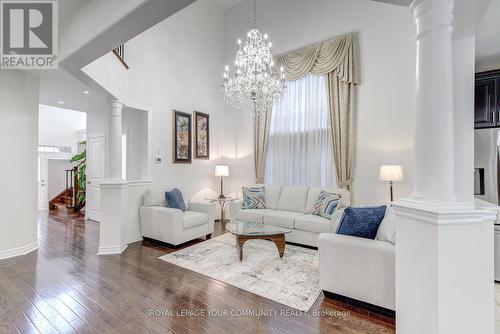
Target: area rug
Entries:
(292, 280)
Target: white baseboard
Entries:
(133, 238)
(19, 251)
(108, 250)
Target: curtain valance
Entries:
(335, 55)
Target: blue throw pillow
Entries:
(361, 222)
(175, 200)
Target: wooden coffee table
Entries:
(244, 231)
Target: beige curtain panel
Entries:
(334, 58)
(262, 122)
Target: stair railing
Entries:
(119, 52)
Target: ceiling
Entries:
(396, 2)
(470, 16)
(227, 4)
(68, 9)
(60, 86)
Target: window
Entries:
(54, 149)
(300, 149)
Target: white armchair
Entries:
(174, 226)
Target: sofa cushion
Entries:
(314, 193)
(175, 199)
(281, 218)
(253, 197)
(293, 199)
(251, 215)
(155, 197)
(326, 204)
(272, 195)
(387, 229)
(313, 223)
(361, 222)
(193, 219)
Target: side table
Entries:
(222, 202)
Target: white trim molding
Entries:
(111, 250)
(19, 250)
(133, 238)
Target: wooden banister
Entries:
(119, 52)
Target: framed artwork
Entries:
(201, 135)
(181, 137)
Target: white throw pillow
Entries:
(387, 229)
(293, 199)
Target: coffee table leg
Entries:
(279, 241)
(239, 246)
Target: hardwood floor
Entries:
(64, 287)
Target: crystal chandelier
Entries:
(253, 79)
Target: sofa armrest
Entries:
(234, 207)
(358, 268)
(155, 220)
(205, 207)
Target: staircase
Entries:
(67, 199)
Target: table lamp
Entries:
(221, 171)
(391, 173)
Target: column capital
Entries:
(116, 107)
(432, 15)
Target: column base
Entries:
(444, 268)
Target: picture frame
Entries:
(201, 135)
(181, 137)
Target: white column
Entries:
(444, 247)
(463, 101)
(434, 151)
(115, 140)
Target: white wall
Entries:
(18, 170)
(386, 94)
(56, 176)
(174, 65)
(134, 124)
(59, 126)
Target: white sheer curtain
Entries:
(300, 151)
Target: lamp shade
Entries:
(221, 170)
(391, 173)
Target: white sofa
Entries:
(174, 226)
(361, 269)
(292, 207)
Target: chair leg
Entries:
(209, 236)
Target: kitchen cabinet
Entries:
(487, 100)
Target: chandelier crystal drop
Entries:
(254, 79)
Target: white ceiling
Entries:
(227, 4)
(58, 85)
(68, 9)
(469, 15)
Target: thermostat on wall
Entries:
(158, 159)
